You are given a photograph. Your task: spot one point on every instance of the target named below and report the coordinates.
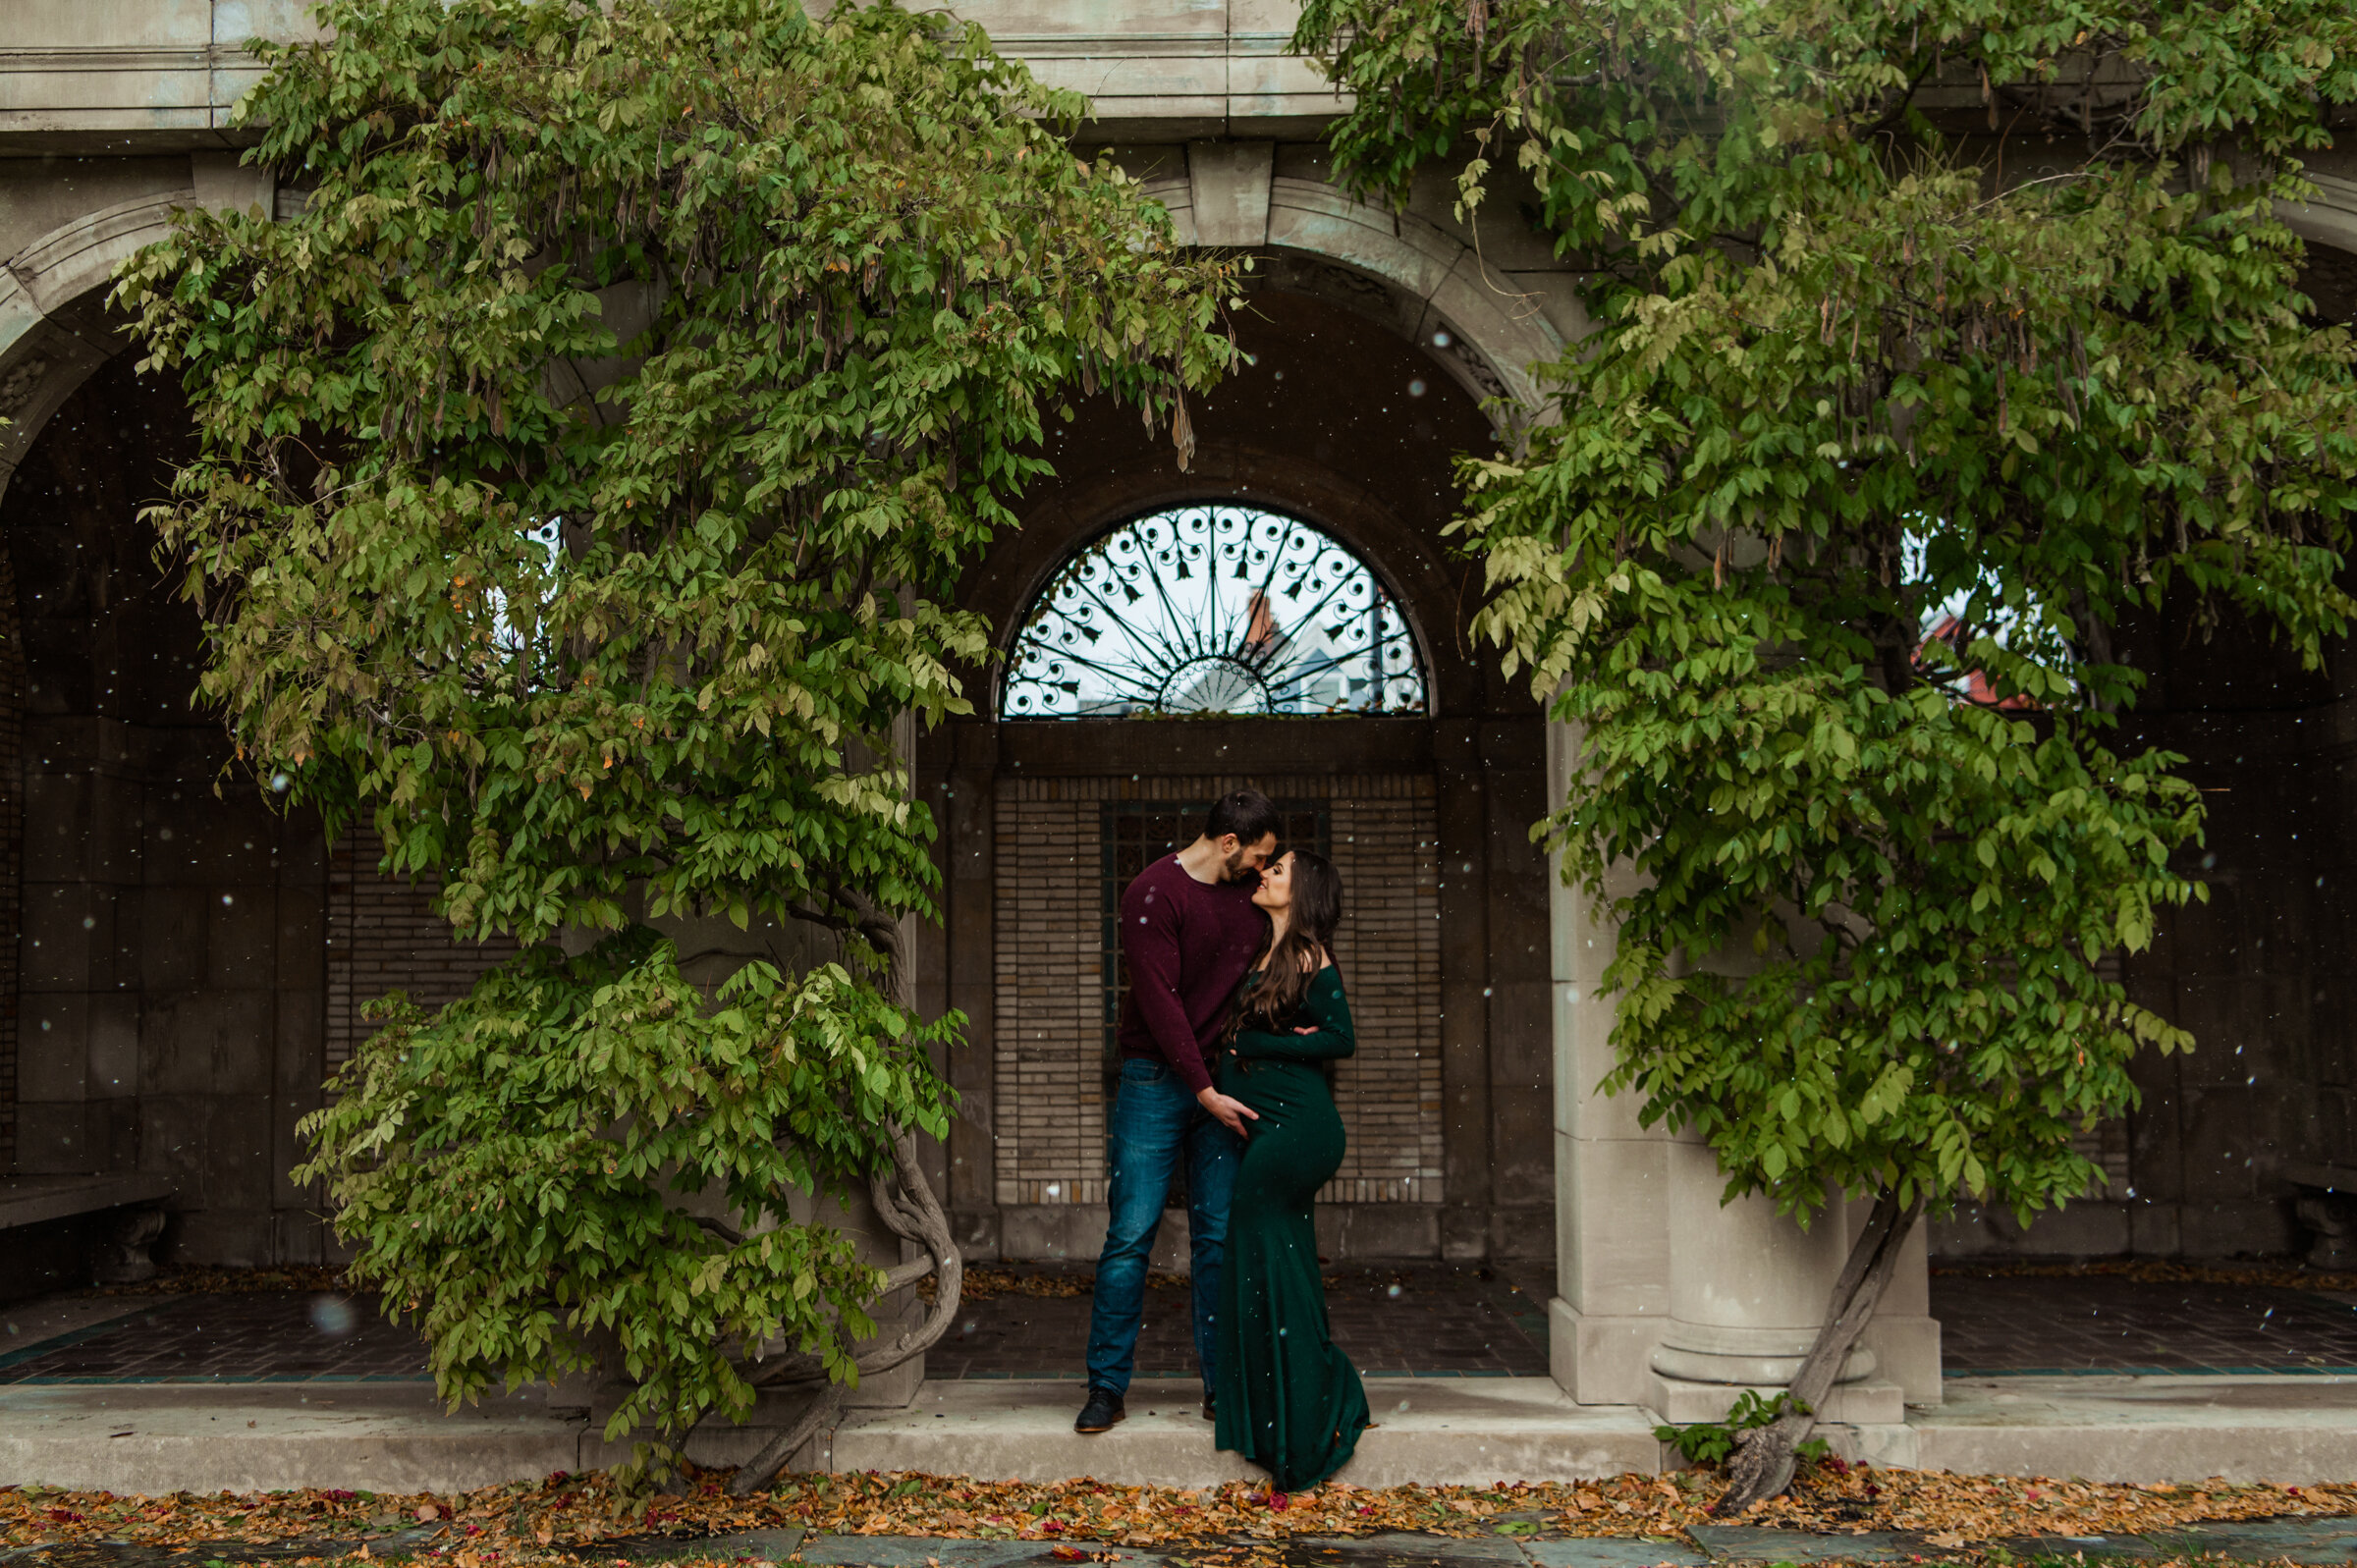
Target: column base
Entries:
(1875, 1402)
(1906, 1350)
(1600, 1359)
(1769, 1370)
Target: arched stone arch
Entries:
(1392, 517)
(2329, 225)
(2331, 219)
(1495, 330)
(54, 328)
(1349, 416)
(1012, 578)
(54, 337)
(54, 334)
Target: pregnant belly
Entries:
(1296, 1144)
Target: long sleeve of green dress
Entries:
(1326, 1007)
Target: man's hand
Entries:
(1230, 1114)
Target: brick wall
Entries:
(1389, 941)
(1048, 997)
(383, 936)
(1048, 984)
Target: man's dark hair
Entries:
(1247, 813)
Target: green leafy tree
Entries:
(581, 474)
(1837, 548)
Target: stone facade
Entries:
(187, 963)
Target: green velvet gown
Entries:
(1288, 1401)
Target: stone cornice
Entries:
(1155, 82)
(106, 58)
(1059, 45)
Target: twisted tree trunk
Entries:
(906, 1203)
(1765, 1456)
(902, 1198)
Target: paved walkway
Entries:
(1421, 1320)
(1431, 1319)
(2297, 1541)
(2095, 1324)
(262, 1336)
(2319, 1542)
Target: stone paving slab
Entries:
(1646, 1551)
(1395, 1321)
(2320, 1542)
(2302, 1540)
(395, 1437)
(1751, 1543)
(1401, 1548)
(156, 1440)
(2047, 1325)
(252, 1336)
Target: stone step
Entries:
(1435, 1430)
(164, 1438)
(158, 1438)
(2292, 1428)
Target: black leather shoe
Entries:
(1210, 1407)
(1103, 1409)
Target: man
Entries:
(1190, 931)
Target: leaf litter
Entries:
(566, 1515)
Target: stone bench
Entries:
(2327, 1207)
(124, 1215)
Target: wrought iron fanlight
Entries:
(1213, 610)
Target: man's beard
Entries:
(1232, 868)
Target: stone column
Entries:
(1748, 1289)
(1668, 1298)
(1612, 1209)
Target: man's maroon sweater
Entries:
(1185, 943)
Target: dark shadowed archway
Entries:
(1343, 422)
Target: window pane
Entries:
(1213, 610)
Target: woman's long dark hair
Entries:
(1300, 953)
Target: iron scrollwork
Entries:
(1213, 610)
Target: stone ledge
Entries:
(2294, 1430)
(1458, 1430)
(32, 1200)
(159, 1437)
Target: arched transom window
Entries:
(1214, 609)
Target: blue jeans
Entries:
(1155, 1121)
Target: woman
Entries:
(1288, 1401)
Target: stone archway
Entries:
(54, 328)
(1427, 282)
(169, 957)
(54, 337)
(1347, 418)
